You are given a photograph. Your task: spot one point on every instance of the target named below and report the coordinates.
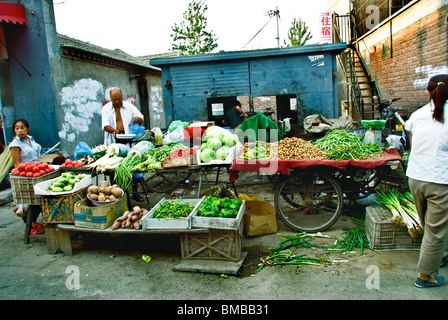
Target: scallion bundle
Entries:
(403, 210)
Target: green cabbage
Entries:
(222, 153)
(230, 140)
(207, 154)
(214, 143)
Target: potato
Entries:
(104, 184)
(101, 197)
(93, 189)
(93, 196)
(112, 197)
(117, 192)
(116, 225)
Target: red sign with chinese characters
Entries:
(326, 28)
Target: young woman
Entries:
(427, 172)
(23, 149)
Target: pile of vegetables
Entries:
(340, 144)
(404, 212)
(68, 163)
(173, 209)
(216, 144)
(154, 157)
(214, 207)
(256, 150)
(124, 172)
(32, 169)
(130, 219)
(66, 182)
(104, 192)
(296, 148)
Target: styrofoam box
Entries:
(233, 153)
(219, 223)
(41, 188)
(149, 222)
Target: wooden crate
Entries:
(214, 244)
(386, 235)
(60, 209)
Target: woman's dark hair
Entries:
(24, 121)
(438, 92)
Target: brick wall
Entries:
(418, 52)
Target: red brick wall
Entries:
(418, 52)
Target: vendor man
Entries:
(117, 115)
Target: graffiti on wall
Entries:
(80, 102)
(424, 73)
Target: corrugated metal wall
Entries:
(308, 73)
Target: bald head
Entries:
(116, 97)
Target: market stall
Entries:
(310, 187)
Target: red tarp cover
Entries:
(12, 13)
(283, 166)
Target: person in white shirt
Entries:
(117, 115)
(427, 173)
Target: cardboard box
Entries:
(87, 216)
(260, 218)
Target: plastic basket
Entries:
(23, 187)
(386, 235)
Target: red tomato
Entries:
(29, 168)
(29, 174)
(51, 168)
(78, 164)
(23, 173)
(41, 166)
(63, 165)
(15, 171)
(36, 174)
(42, 172)
(36, 169)
(21, 167)
(47, 170)
(69, 165)
(68, 161)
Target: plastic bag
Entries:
(136, 128)
(175, 136)
(20, 210)
(82, 149)
(176, 124)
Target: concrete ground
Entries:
(109, 267)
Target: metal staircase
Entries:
(362, 91)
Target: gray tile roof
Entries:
(116, 54)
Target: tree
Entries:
(298, 33)
(190, 36)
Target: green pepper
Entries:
(229, 213)
(208, 214)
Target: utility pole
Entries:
(276, 13)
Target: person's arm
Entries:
(111, 130)
(15, 154)
(410, 137)
(241, 111)
(137, 120)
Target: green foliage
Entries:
(298, 33)
(190, 36)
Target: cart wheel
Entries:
(309, 202)
(161, 182)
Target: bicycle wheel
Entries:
(161, 182)
(309, 202)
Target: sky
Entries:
(143, 27)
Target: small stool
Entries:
(138, 179)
